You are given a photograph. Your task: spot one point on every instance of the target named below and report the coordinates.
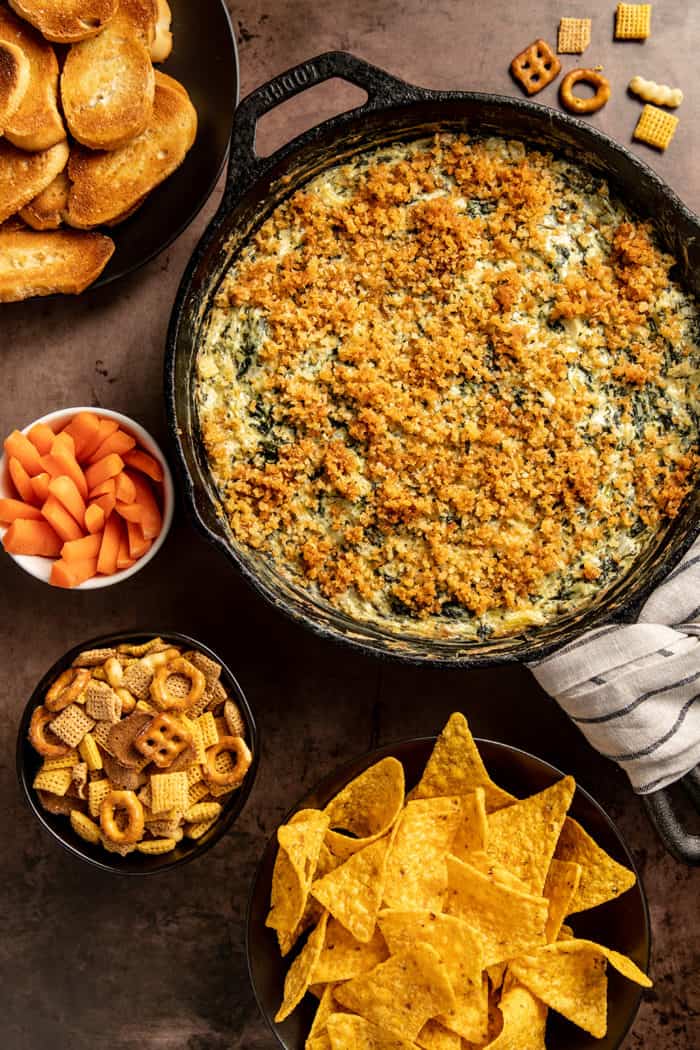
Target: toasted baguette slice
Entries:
(36, 124)
(48, 209)
(105, 185)
(163, 43)
(24, 175)
(65, 21)
(14, 80)
(33, 263)
(141, 16)
(107, 87)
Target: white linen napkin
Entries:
(634, 689)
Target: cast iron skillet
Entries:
(394, 111)
(622, 923)
(204, 58)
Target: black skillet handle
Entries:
(659, 806)
(382, 90)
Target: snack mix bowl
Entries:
(58, 825)
(40, 568)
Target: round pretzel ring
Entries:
(37, 735)
(238, 747)
(67, 688)
(159, 685)
(598, 82)
(127, 801)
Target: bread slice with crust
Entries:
(65, 21)
(14, 80)
(47, 211)
(141, 16)
(24, 175)
(36, 123)
(108, 85)
(163, 42)
(34, 263)
(105, 185)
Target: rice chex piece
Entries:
(169, 791)
(574, 36)
(61, 761)
(632, 21)
(655, 127)
(97, 792)
(207, 726)
(196, 792)
(72, 724)
(57, 781)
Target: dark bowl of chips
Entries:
(620, 920)
(53, 812)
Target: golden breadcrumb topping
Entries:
(451, 385)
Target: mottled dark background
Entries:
(88, 961)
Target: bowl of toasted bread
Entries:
(115, 118)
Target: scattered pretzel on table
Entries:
(573, 102)
(535, 67)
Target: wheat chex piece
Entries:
(574, 36)
(48, 209)
(105, 184)
(655, 127)
(34, 262)
(101, 734)
(137, 679)
(72, 724)
(57, 781)
(163, 39)
(122, 849)
(153, 847)
(169, 829)
(93, 657)
(36, 124)
(84, 827)
(107, 87)
(535, 67)
(97, 792)
(23, 175)
(632, 21)
(65, 22)
(14, 79)
(169, 791)
(102, 703)
(209, 668)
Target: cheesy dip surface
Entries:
(451, 388)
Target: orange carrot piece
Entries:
(124, 559)
(94, 519)
(109, 547)
(19, 446)
(59, 519)
(105, 488)
(105, 468)
(79, 550)
(151, 519)
(105, 427)
(138, 544)
(41, 436)
(106, 503)
(119, 442)
(130, 511)
(72, 573)
(124, 490)
(61, 460)
(10, 509)
(84, 428)
(40, 484)
(21, 480)
(66, 492)
(144, 462)
(32, 537)
(64, 443)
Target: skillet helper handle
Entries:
(382, 90)
(679, 842)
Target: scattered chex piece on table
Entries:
(655, 127)
(632, 21)
(574, 36)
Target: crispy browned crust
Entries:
(36, 124)
(14, 80)
(33, 263)
(65, 21)
(47, 210)
(24, 175)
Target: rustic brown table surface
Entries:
(93, 962)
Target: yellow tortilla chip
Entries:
(505, 920)
(565, 933)
(416, 874)
(350, 1032)
(433, 1036)
(299, 974)
(353, 892)
(472, 832)
(570, 977)
(402, 993)
(560, 888)
(366, 808)
(523, 837)
(602, 878)
(495, 974)
(344, 957)
(300, 842)
(459, 950)
(524, 1021)
(327, 1006)
(455, 768)
(484, 863)
(318, 1042)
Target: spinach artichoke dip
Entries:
(451, 387)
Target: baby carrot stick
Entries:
(79, 550)
(144, 462)
(10, 509)
(41, 436)
(32, 537)
(40, 484)
(73, 573)
(124, 490)
(119, 442)
(85, 430)
(59, 519)
(105, 468)
(66, 492)
(94, 518)
(61, 460)
(151, 520)
(21, 480)
(109, 548)
(19, 446)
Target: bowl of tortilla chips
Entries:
(448, 894)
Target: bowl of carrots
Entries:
(86, 498)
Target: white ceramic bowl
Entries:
(40, 568)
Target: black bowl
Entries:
(58, 826)
(622, 924)
(204, 58)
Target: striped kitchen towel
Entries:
(634, 689)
